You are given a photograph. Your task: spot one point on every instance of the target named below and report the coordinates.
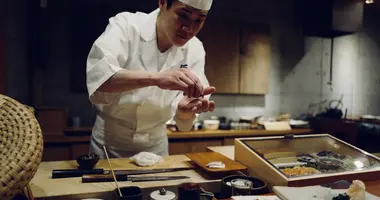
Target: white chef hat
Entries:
(198, 4)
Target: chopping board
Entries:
(204, 158)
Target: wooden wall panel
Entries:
(221, 42)
(254, 59)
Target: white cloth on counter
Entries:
(146, 159)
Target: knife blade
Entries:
(156, 178)
(108, 178)
(145, 171)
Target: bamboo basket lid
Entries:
(21, 146)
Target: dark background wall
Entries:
(299, 73)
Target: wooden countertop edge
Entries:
(186, 135)
(233, 133)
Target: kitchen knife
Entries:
(145, 171)
(69, 173)
(109, 178)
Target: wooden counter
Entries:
(83, 134)
(44, 187)
(232, 133)
(198, 141)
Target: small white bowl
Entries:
(211, 124)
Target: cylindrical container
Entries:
(258, 186)
(128, 193)
(241, 187)
(163, 195)
(189, 191)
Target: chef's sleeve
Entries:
(198, 69)
(108, 53)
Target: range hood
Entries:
(330, 18)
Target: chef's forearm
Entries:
(126, 80)
(184, 120)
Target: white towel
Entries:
(146, 159)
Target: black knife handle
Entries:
(68, 173)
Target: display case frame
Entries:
(260, 167)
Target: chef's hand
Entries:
(189, 106)
(180, 79)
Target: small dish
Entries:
(87, 161)
(258, 186)
(211, 124)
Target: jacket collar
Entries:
(148, 27)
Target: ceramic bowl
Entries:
(87, 161)
(129, 193)
(211, 124)
(258, 186)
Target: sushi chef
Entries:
(144, 70)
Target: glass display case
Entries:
(305, 160)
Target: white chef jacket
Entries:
(134, 121)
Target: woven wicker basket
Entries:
(21, 146)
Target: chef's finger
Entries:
(194, 109)
(199, 110)
(194, 103)
(195, 106)
(209, 90)
(198, 86)
(183, 87)
(189, 85)
(211, 106)
(205, 105)
(197, 90)
(199, 107)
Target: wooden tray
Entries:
(202, 159)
